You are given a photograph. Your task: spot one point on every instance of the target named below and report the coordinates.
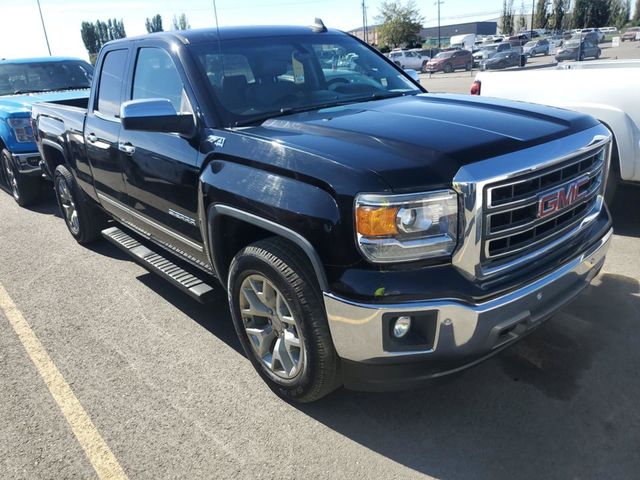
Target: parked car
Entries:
(367, 235)
(578, 50)
(631, 34)
(449, 61)
(536, 47)
(518, 40)
(502, 60)
(609, 30)
(599, 33)
(409, 59)
(607, 92)
(488, 51)
(591, 37)
(22, 83)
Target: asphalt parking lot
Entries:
(164, 382)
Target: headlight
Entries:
(22, 129)
(403, 228)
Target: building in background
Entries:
(430, 34)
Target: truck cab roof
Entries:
(205, 35)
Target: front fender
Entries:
(273, 201)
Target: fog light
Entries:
(401, 326)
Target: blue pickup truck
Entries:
(24, 82)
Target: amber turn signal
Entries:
(376, 221)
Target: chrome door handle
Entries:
(126, 148)
(92, 138)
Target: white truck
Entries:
(606, 90)
(409, 59)
(465, 42)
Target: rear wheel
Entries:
(279, 317)
(581, 57)
(598, 52)
(84, 220)
(24, 188)
(468, 66)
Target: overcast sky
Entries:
(21, 31)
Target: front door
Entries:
(162, 169)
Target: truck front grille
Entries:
(524, 214)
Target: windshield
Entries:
(572, 44)
(252, 80)
(530, 44)
(490, 48)
(444, 55)
(16, 78)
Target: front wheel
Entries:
(598, 52)
(84, 220)
(424, 67)
(448, 68)
(24, 188)
(279, 317)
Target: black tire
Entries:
(448, 68)
(91, 220)
(25, 189)
(468, 66)
(288, 269)
(424, 67)
(581, 57)
(598, 52)
(502, 65)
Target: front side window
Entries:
(250, 79)
(156, 76)
(111, 79)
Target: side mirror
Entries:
(155, 115)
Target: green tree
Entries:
(591, 13)
(154, 24)
(636, 13)
(558, 14)
(400, 23)
(541, 18)
(619, 13)
(181, 22)
(522, 18)
(507, 21)
(95, 35)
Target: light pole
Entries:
(44, 28)
(438, 3)
(533, 11)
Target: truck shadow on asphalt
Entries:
(562, 403)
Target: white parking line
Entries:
(98, 452)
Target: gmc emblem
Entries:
(560, 198)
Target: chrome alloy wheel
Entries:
(271, 327)
(68, 206)
(11, 178)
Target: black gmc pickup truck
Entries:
(368, 234)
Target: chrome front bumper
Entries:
(463, 332)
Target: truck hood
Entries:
(22, 103)
(421, 141)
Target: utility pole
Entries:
(43, 27)
(533, 11)
(438, 3)
(365, 33)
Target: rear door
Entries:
(162, 169)
(102, 129)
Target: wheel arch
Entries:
(243, 228)
(53, 155)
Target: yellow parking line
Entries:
(102, 459)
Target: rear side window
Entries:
(110, 86)
(156, 76)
